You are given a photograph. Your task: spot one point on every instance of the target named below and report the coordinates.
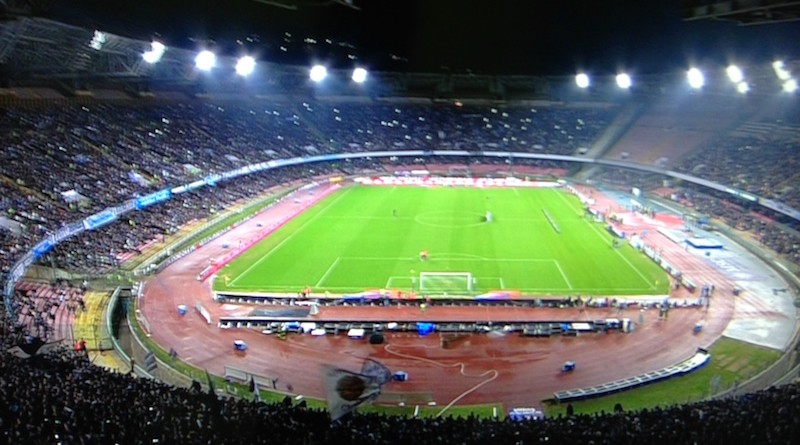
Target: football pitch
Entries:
(538, 242)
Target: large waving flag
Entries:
(346, 390)
(255, 389)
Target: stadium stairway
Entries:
(88, 323)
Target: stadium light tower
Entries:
(157, 50)
(734, 74)
(582, 80)
(624, 81)
(318, 73)
(205, 60)
(359, 75)
(245, 66)
(695, 78)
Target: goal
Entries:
(445, 282)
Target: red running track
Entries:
(513, 370)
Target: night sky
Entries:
(536, 37)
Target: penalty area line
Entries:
(328, 272)
(563, 275)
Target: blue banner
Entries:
(99, 219)
(42, 248)
(152, 198)
(212, 180)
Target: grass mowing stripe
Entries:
(291, 235)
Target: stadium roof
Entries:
(543, 37)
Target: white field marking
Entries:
(638, 272)
(516, 192)
(483, 280)
(291, 235)
(398, 277)
(328, 272)
(569, 204)
(563, 275)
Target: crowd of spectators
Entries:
(61, 398)
(64, 161)
(764, 164)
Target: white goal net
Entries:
(445, 282)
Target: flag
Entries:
(35, 346)
(211, 390)
(346, 390)
(254, 389)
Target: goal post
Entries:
(452, 282)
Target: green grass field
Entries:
(362, 237)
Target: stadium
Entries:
(199, 247)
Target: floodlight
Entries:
(157, 50)
(359, 75)
(205, 60)
(734, 74)
(742, 87)
(695, 78)
(245, 66)
(790, 86)
(98, 39)
(582, 80)
(780, 70)
(624, 81)
(318, 73)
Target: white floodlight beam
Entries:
(695, 78)
(359, 75)
(98, 39)
(318, 73)
(734, 74)
(790, 86)
(742, 87)
(157, 50)
(245, 65)
(781, 71)
(624, 81)
(205, 60)
(582, 80)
